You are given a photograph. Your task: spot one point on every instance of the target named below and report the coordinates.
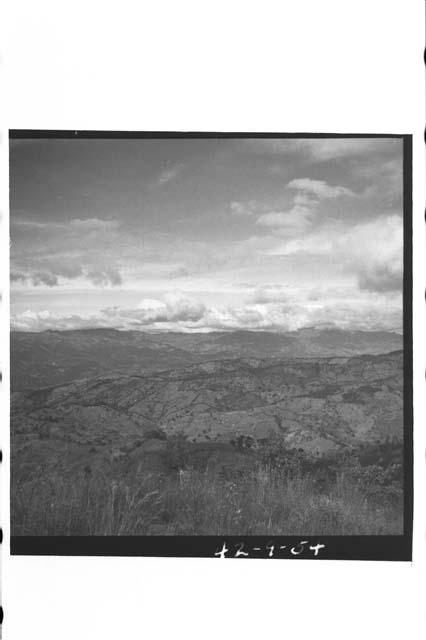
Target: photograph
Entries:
(212, 321)
(208, 335)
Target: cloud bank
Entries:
(198, 235)
(270, 308)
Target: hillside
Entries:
(314, 404)
(239, 445)
(56, 357)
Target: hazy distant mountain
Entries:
(303, 343)
(54, 357)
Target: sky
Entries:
(206, 234)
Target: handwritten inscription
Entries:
(271, 549)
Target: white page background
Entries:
(289, 66)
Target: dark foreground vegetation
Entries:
(248, 488)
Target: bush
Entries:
(178, 451)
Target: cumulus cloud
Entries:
(36, 279)
(377, 265)
(52, 273)
(291, 222)
(171, 311)
(172, 308)
(300, 216)
(311, 223)
(304, 199)
(44, 320)
(269, 309)
(54, 253)
(15, 276)
(319, 188)
(48, 279)
(381, 277)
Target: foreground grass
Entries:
(193, 502)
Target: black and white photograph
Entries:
(208, 335)
(212, 320)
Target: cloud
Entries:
(85, 224)
(17, 276)
(36, 279)
(319, 188)
(292, 222)
(25, 224)
(304, 199)
(270, 293)
(274, 308)
(48, 279)
(48, 273)
(321, 149)
(169, 174)
(381, 278)
(324, 218)
(372, 251)
(173, 307)
(245, 208)
(44, 320)
(104, 277)
(240, 209)
(94, 224)
(330, 148)
(300, 217)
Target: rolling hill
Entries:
(314, 404)
(55, 357)
(175, 434)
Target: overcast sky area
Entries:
(206, 234)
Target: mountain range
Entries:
(317, 404)
(56, 357)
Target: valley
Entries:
(221, 417)
(55, 357)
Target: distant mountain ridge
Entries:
(55, 357)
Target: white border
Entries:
(329, 66)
